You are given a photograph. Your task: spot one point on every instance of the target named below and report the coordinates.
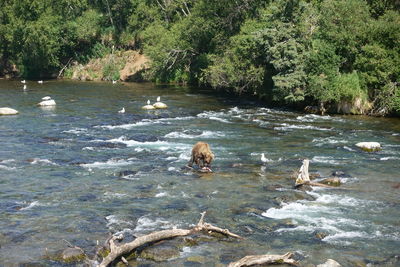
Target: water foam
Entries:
(31, 205)
(130, 143)
(76, 131)
(289, 127)
(328, 140)
(204, 134)
(111, 163)
(43, 162)
(327, 160)
(114, 195)
(4, 167)
(144, 223)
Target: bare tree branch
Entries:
(264, 259)
(117, 251)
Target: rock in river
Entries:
(369, 146)
(329, 263)
(8, 111)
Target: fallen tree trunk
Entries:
(117, 251)
(264, 259)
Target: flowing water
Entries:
(81, 170)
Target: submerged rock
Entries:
(8, 111)
(334, 181)
(126, 173)
(320, 235)
(72, 255)
(329, 263)
(160, 105)
(340, 174)
(50, 102)
(369, 146)
(160, 252)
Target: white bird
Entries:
(158, 99)
(40, 81)
(23, 81)
(114, 82)
(122, 110)
(46, 98)
(148, 106)
(24, 87)
(263, 158)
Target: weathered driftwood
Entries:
(303, 178)
(264, 259)
(117, 251)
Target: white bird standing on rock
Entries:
(46, 98)
(23, 81)
(159, 104)
(148, 106)
(263, 158)
(114, 82)
(122, 110)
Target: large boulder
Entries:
(329, 263)
(369, 146)
(8, 111)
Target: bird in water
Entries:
(23, 81)
(46, 98)
(263, 158)
(114, 82)
(24, 87)
(122, 110)
(40, 81)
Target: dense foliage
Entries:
(319, 52)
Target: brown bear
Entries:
(201, 155)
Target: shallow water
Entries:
(81, 170)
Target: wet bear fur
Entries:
(201, 155)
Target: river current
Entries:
(81, 170)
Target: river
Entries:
(81, 170)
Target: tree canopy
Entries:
(288, 52)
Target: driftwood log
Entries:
(264, 259)
(117, 251)
(303, 178)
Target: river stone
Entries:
(334, 181)
(74, 254)
(160, 105)
(127, 173)
(8, 111)
(329, 263)
(320, 235)
(196, 259)
(369, 146)
(47, 103)
(160, 252)
(340, 174)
